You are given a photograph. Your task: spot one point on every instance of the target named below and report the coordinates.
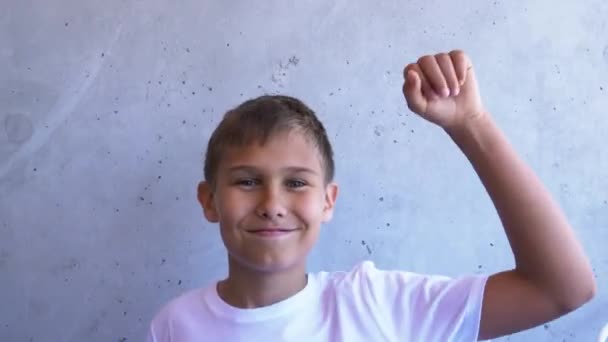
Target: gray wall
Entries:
(105, 109)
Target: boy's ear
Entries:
(205, 198)
(331, 194)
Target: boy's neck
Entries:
(246, 288)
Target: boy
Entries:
(269, 184)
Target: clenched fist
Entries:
(443, 89)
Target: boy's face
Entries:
(270, 202)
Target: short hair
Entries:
(257, 120)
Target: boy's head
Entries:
(257, 120)
(269, 182)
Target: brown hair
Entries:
(258, 119)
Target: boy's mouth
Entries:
(269, 232)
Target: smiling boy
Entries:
(269, 185)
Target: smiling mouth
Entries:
(270, 232)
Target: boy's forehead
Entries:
(288, 150)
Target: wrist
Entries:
(475, 136)
(470, 125)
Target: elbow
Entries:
(584, 292)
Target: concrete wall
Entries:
(105, 109)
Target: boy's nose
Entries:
(270, 205)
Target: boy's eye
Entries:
(248, 182)
(295, 183)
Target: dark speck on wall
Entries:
(381, 199)
(210, 89)
(179, 282)
(66, 24)
(369, 250)
(188, 50)
(162, 261)
(103, 54)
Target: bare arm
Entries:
(552, 275)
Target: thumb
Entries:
(412, 90)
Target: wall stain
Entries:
(18, 128)
(4, 258)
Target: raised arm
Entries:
(552, 275)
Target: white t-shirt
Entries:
(365, 304)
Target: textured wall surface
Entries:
(106, 107)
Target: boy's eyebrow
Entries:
(253, 169)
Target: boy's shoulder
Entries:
(188, 303)
(366, 275)
(367, 272)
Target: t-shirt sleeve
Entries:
(423, 307)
